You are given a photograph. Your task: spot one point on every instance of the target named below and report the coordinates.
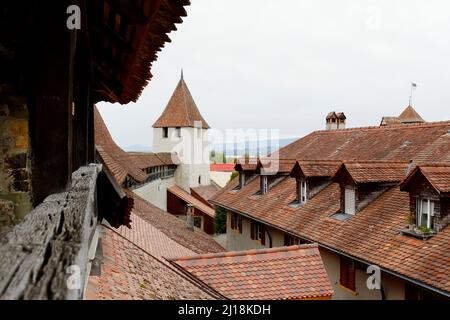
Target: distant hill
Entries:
(231, 149)
(265, 147)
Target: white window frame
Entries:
(264, 185)
(347, 190)
(430, 211)
(302, 192)
(258, 231)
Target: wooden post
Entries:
(53, 48)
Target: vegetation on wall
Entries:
(221, 220)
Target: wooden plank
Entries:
(53, 50)
(34, 257)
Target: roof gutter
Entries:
(416, 282)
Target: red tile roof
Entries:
(150, 160)
(222, 167)
(395, 143)
(181, 111)
(129, 272)
(206, 192)
(152, 240)
(374, 171)
(373, 235)
(174, 228)
(180, 193)
(122, 164)
(243, 164)
(437, 175)
(118, 161)
(295, 272)
(315, 169)
(274, 166)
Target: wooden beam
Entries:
(53, 50)
(54, 236)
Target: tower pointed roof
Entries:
(409, 115)
(181, 111)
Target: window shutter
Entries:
(252, 230)
(262, 235)
(240, 224)
(350, 201)
(343, 280)
(351, 276)
(286, 240)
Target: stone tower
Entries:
(181, 129)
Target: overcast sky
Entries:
(286, 64)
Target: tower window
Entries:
(178, 132)
(165, 132)
(199, 179)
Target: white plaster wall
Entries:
(193, 151)
(221, 178)
(237, 241)
(155, 192)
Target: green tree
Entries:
(234, 175)
(221, 220)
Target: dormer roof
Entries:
(268, 166)
(437, 176)
(181, 111)
(315, 169)
(371, 172)
(243, 164)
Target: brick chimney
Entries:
(335, 120)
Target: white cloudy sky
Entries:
(285, 64)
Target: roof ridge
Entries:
(228, 254)
(391, 127)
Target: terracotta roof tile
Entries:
(128, 272)
(437, 175)
(174, 228)
(295, 272)
(315, 169)
(375, 171)
(180, 193)
(181, 111)
(206, 192)
(222, 167)
(396, 143)
(372, 235)
(118, 161)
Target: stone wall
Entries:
(15, 175)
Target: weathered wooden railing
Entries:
(40, 257)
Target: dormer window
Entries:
(350, 201)
(264, 185)
(429, 194)
(425, 212)
(301, 191)
(241, 179)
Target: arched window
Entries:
(200, 179)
